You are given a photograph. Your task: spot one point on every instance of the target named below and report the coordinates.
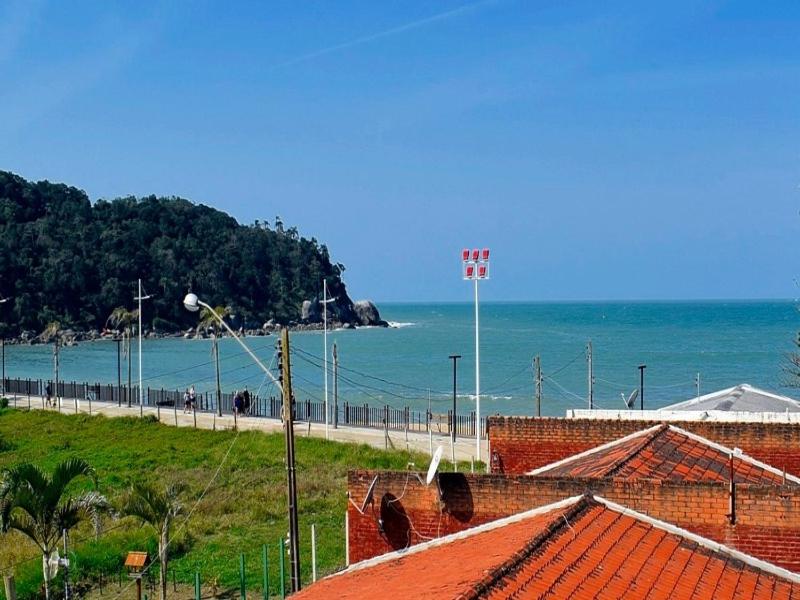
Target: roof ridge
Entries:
(558, 523)
(648, 439)
(613, 443)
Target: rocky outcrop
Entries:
(368, 314)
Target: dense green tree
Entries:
(63, 258)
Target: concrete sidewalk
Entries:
(463, 449)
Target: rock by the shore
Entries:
(368, 314)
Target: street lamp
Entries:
(325, 301)
(475, 267)
(193, 304)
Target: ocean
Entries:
(726, 342)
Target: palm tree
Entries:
(158, 509)
(123, 318)
(209, 321)
(36, 504)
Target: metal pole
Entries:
(4, 365)
(477, 379)
(141, 398)
(58, 402)
(335, 387)
(242, 588)
(282, 554)
(313, 552)
(119, 373)
(428, 424)
(590, 374)
(641, 386)
(454, 358)
(265, 572)
(538, 377)
(216, 360)
(325, 344)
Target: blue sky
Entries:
(603, 150)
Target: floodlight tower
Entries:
(475, 267)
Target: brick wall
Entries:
(519, 444)
(406, 512)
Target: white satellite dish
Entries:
(631, 399)
(437, 456)
(370, 494)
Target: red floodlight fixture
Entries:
(475, 263)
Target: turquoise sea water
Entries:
(726, 342)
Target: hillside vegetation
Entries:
(234, 510)
(68, 260)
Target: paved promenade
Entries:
(464, 448)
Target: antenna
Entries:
(370, 495)
(631, 399)
(437, 456)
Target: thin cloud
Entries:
(385, 33)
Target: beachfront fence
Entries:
(374, 416)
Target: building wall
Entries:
(406, 512)
(520, 444)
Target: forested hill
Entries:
(66, 259)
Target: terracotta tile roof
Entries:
(666, 453)
(580, 548)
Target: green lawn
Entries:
(243, 507)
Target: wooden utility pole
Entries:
(590, 373)
(537, 364)
(335, 387)
(288, 423)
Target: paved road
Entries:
(464, 448)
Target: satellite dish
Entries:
(632, 398)
(437, 456)
(370, 494)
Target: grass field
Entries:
(236, 494)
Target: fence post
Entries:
(197, 585)
(282, 553)
(242, 584)
(194, 414)
(313, 552)
(265, 571)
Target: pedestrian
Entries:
(238, 403)
(192, 398)
(187, 401)
(49, 393)
(246, 401)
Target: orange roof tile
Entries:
(668, 453)
(579, 548)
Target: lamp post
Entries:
(454, 358)
(475, 267)
(139, 297)
(325, 301)
(193, 304)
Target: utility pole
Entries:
(335, 387)
(454, 358)
(537, 379)
(641, 386)
(697, 383)
(216, 362)
(590, 374)
(3, 342)
(288, 423)
(325, 302)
